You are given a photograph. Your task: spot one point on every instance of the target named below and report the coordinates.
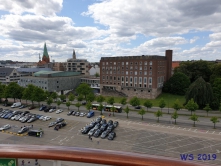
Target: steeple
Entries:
(74, 55)
(39, 57)
(45, 51)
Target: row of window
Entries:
(127, 72)
(128, 79)
(127, 63)
(126, 68)
(130, 85)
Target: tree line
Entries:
(197, 80)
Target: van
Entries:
(18, 104)
(35, 133)
(90, 114)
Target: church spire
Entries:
(45, 51)
(74, 55)
(39, 57)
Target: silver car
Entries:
(5, 127)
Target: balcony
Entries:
(88, 155)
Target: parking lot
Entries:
(131, 137)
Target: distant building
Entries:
(141, 76)
(77, 65)
(8, 75)
(94, 83)
(174, 65)
(94, 69)
(58, 66)
(45, 62)
(53, 81)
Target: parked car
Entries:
(23, 130)
(104, 134)
(90, 114)
(103, 121)
(92, 124)
(35, 133)
(98, 119)
(47, 109)
(31, 107)
(46, 118)
(115, 124)
(70, 112)
(77, 113)
(32, 119)
(22, 106)
(91, 132)
(111, 136)
(42, 107)
(59, 111)
(103, 127)
(5, 127)
(60, 125)
(97, 126)
(137, 107)
(110, 128)
(97, 133)
(59, 120)
(17, 104)
(86, 130)
(82, 114)
(52, 110)
(84, 103)
(52, 124)
(110, 122)
(73, 113)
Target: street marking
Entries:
(189, 129)
(213, 132)
(184, 128)
(55, 138)
(178, 128)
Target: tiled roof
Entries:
(5, 71)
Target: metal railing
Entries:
(88, 155)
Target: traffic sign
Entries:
(7, 162)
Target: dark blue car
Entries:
(8, 115)
(42, 108)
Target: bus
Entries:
(107, 107)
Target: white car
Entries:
(51, 110)
(59, 111)
(46, 118)
(42, 117)
(5, 127)
(13, 118)
(82, 114)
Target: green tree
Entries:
(195, 69)
(158, 114)
(201, 92)
(162, 103)
(20, 93)
(123, 101)
(78, 105)
(113, 109)
(207, 108)
(12, 90)
(215, 120)
(220, 107)
(68, 104)
(191, 106)
(216, 72)
(80, 98)
(134, 101)
(62, 97)
(39, 95)
(127, 110)
(97, 75)
(2, 87)
(49, 101)
(216, 86)
(100, 99)
(100, 108)
(142, 112)
(59, 103)
(71, 97)
(88, 106)
(174, 115)
(28, 93)
(84, 89)
(177, 106)
(148, 104)
(110, 100)
(90, 97)
(48, 94)
(194, 118)
(25, 95)
(54, 96)
(177, 84)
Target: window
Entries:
(107, 78)
(126, 67)
(145, 67)
(103, 63)
(140, 72)
(131, 67)
(122, 79)
(131, 63)
(57, 81)
(118, 78)
(135, 67)
(126, 72)
(106, 63)
(140, 79)
(114, 78)
(122, 63)
(122, 72)
(110, 72)
(126, 79)
(145, 73)
(140, 68)
(103, 77)
(110, 77)
(150, 63)
(145, 63)
(150, 73)
(57, 86)
(135, 63)
(150, 67)
(145, 80)
(140, 62)
(135, 73)
(122, 68)
(131, 73)
(135, 79)
(126, 63)
(150, 80)
(131, 79)
(114, 63)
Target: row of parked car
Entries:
(22, 116)
(58, 123)
(100, 127)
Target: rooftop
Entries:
(55, 74)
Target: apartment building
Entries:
(142, 76)
(8, 75)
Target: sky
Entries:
(104, 28)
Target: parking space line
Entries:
(184, 128)
(178, 128)
(213, 132)
(189, 129)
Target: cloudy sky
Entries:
(98, 28)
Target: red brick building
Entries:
(141, 76)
